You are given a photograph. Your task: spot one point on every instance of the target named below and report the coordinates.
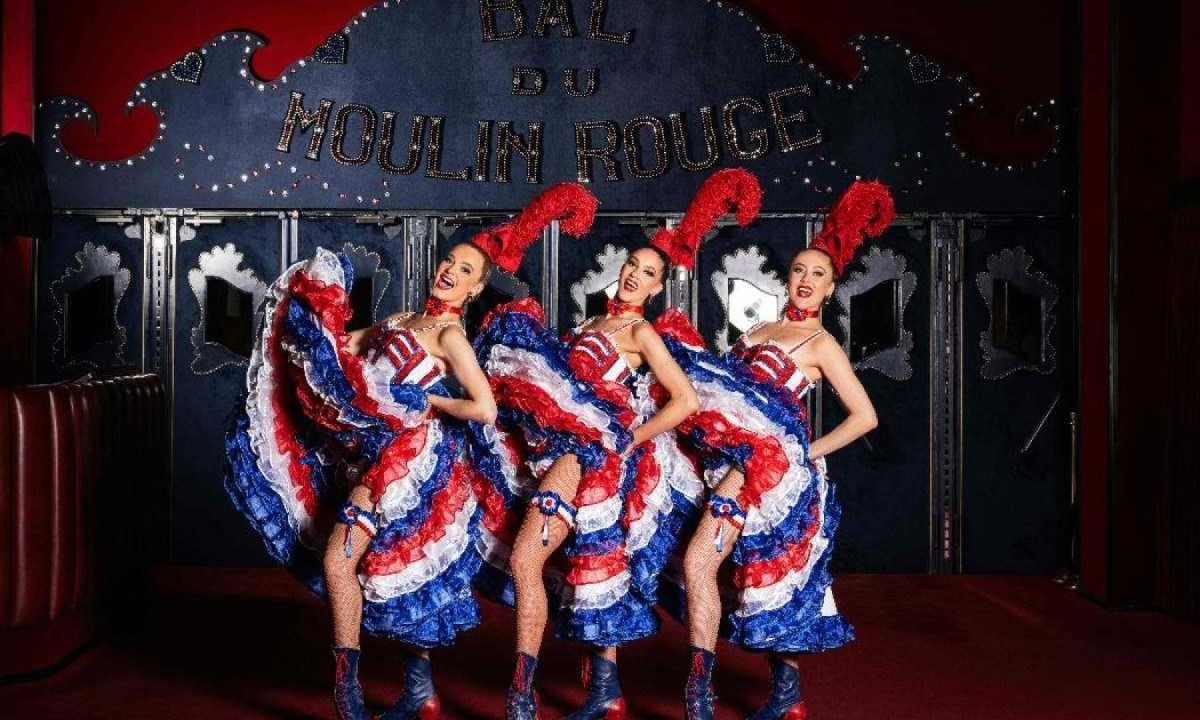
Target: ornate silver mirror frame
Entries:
(882, 266)
(92, 262)
(748, 291)
(1014, 265)
(603, 278)
(222, 262)
(509, 284)
(368, 263)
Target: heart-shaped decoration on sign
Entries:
(777, 49)
(923, 70)
(333, 51)
(188, 68)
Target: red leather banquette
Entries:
(82, 479)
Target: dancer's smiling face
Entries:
(641, 277)
(461, 274)
(810, 279)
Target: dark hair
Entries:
(488, 264)
(666, 271)
(662, 255)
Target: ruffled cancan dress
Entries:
(578, 396)
(319, 420)
(753, 416)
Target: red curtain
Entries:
(16, 254)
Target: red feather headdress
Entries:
(864, 210)
(728, 190)
(569, 203)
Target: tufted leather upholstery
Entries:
(72, 456)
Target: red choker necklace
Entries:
(616, 307)
(435, 307)
(796, 314)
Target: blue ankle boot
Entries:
(418, 700)
(785, 701)
(347, 693)
(698, 695)
(521, 703)
(604, 701)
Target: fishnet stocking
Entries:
(529, 555)
(341, 575)
(700, 565)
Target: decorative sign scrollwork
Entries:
(1020, 305)
(369, 275)
(880, 294)
(319, 133)
(601, 282)
(749, 294)
(86, 297)
(230, 299)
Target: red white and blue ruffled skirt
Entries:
(316, 416)
(628, 510)
(780, 598)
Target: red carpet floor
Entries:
(234, 645)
